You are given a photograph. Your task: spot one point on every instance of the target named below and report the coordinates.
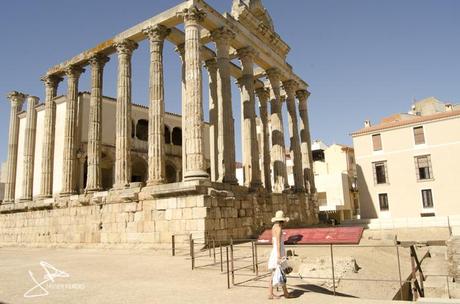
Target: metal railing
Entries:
(214, 254)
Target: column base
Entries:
(155, 183)
(92, 190)
(195, 175)
(232, 180)
(65, 194)
(25, 199)
(42, 196)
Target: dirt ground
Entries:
(154, 276)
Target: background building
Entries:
(335, 179)
(408, 164)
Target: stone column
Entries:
(226, 129)
(194, 144)
(263, 95)
(47, 165)
(16, 100)
(94, 179)
(156, 35)
(251, 165)
(290, 87)
(305, 139)
(180, 49)
(29, 149)
(278, 153)
(70, 133)
(125, 49)
(211, 66)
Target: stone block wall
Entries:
(141, 219)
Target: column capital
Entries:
(98, 61)
(263, 94)
(273, 74)
(302, 94)
(222, 34)
(16, 98)
(73, 71)
(192, 14)
(290, 87)
(125, 47)
(51, 80)
(211, 64)
(156, 32)
(246, 53)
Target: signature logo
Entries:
(51, 273)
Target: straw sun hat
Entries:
(279, 217)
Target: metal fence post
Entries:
(192, 248)
(214, 249)
(256, 259)
(173, 245)
(231, 261)
(190, 242)
(221, 258)
(253, 258)
(228, 270)
(333, 272)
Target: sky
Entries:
(363, 59)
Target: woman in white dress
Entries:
(278, 252)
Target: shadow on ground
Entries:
(303, 288)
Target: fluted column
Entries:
(156, 35)
(305, 139)
(251, 165)
(47, 162)
(194, 144)
(211, 66)
(225, 124)
(278, 154)
(29, 149)
(180, 49)
(70, 137)
(263, 95)
(290, 87)
(125, 49)
(16, 100)
(94, 179)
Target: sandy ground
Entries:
(154, 276)
(132, 276)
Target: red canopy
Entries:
(332, 235)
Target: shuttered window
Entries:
(419, 135)
(380, 172)
(383, 202)
(377, 142)
(427, 198)
(423, 168)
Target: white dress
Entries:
(273, 261)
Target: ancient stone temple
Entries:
(85, 168)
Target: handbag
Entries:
(287, 269)
(279, 278)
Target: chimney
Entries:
(449, 107)
(367, 124)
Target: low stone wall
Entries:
(148, 216)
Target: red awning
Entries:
(332, 235)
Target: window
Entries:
(377, 142)
(383, 202)
(427, 198)
(419, 136)
(142, 130)
(177, 136)
(167, 135)
(380, 172)
(423, 167)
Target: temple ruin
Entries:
(85, 168)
